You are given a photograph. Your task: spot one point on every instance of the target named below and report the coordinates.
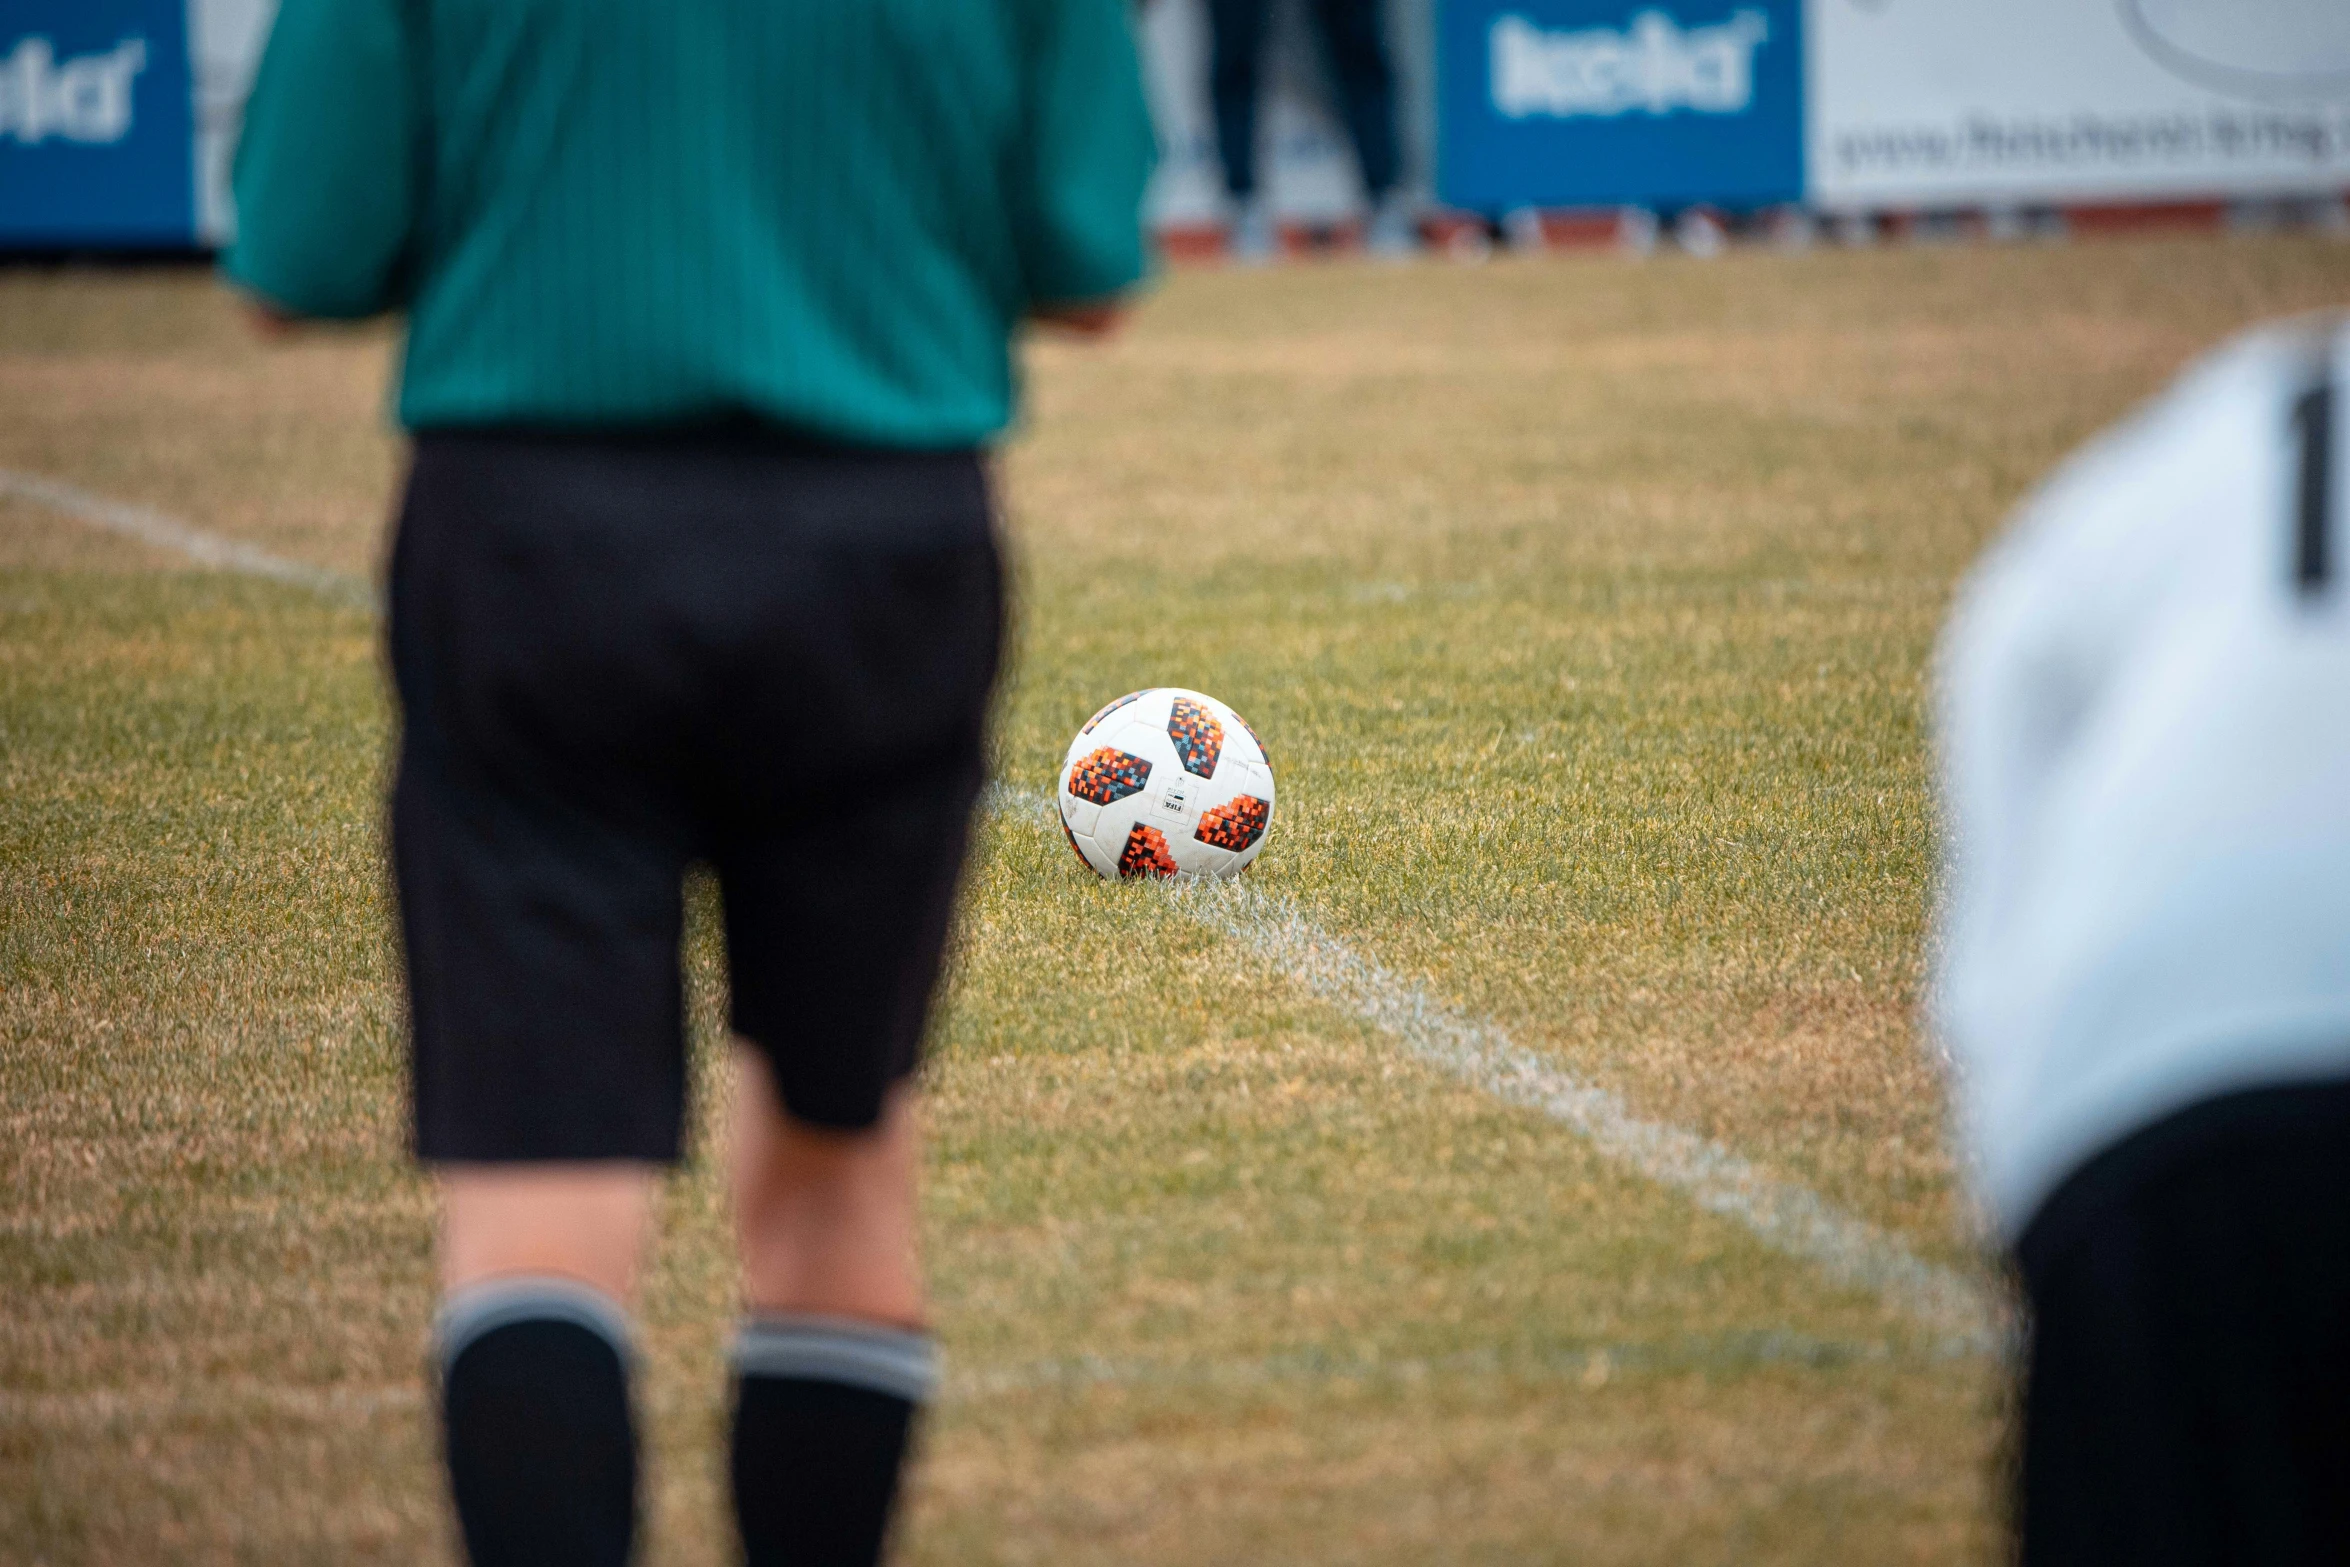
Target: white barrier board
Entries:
(1985, 102)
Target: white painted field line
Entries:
(1784, 1215)
(169, 533)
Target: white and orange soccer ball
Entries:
(1166, 782)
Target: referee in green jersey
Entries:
(709, 309)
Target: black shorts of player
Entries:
(2187, 1397)
(620, 655)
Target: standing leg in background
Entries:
(1353, 31)
(1236, 31)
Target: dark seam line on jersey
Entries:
(2315, 414)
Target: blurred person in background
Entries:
(2144, 967)
(709, 311)
(1354, 35)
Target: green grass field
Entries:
(1585, 607)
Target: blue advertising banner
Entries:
(97, 127)
(1589, 103)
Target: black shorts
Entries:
(620, 655)
(2188, 1391)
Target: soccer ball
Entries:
(1165, 782)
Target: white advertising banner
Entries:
(1925, 103)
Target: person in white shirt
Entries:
(2142, 975)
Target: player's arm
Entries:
(1085, 160)
(1094, 318)
(266, 319)
(325, 173)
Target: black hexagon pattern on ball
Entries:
(1235, 824)
(1199, 739)
(1146, 854)
(1109, 774)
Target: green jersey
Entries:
(831, 214)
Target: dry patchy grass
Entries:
(1585, 607)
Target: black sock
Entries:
(535, 1423)
(824, 1410)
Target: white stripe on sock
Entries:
(472, 1310)
(896, 1361)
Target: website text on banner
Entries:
(1583, 103)
(2076, 101)
(96, 126)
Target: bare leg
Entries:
(1236, 43)
(826, 1220)
(537, 1265)
(576, 1221)
(831, 1364)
